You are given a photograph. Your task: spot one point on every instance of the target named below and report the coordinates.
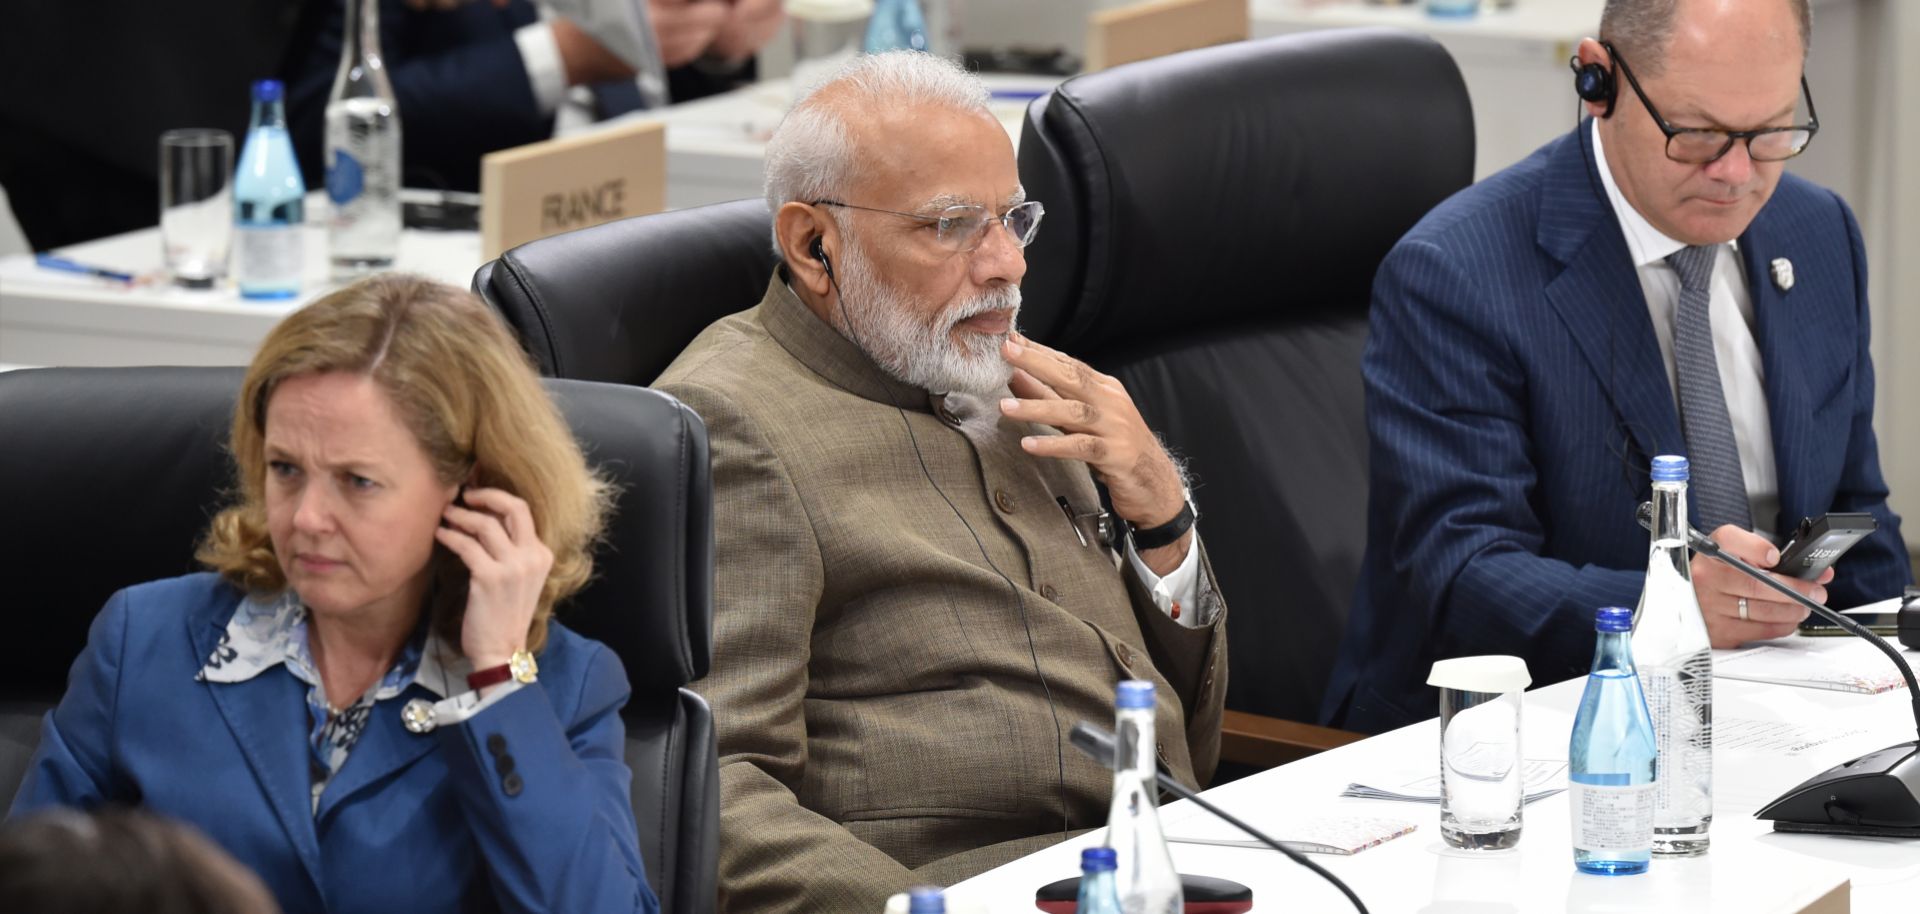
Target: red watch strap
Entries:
(493, 675)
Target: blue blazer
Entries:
(1516, 397)
(417, 823)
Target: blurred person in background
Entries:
(68, 862)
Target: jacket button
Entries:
(1126, 655)
(496, 743)
(1048, 591)
(503, 763)
(511, 785)
(1161, 747)
(1003, 500)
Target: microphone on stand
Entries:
(1098, 744)
(1876, 795)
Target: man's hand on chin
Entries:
(1099, 425)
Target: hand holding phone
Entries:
(1819, 542)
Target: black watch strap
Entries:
(1164, 535)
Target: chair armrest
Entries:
(1267, 742)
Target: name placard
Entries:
(1159, 27)
(540, 189)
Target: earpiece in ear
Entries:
(819, 252)
(1593, 83)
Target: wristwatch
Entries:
(1166, 534)
(521, 667)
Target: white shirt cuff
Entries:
(449, 712)
(540, 53)
(1181, 586)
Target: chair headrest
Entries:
(617, 302)
(1261, 180)
(110, 476)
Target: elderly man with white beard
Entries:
(917, 593)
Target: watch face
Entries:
(523, 667)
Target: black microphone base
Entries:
(1874, 796)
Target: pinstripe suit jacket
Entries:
(879, 715)
(1516, 396)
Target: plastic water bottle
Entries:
(1098, 894)
(896, 24)
(1143, 869)
(1672, 653)
(269, 202)
(363, 152)
(1610, 764)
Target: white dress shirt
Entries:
(1736, 353)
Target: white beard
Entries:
(885, 324)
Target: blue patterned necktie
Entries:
(1719, 489)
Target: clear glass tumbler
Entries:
(1482, 772)
(196, 204)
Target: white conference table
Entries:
(717, 146)
(1750, 869)
(55, 318)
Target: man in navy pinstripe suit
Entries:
(1651, 283)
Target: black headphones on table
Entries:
(1593, 82)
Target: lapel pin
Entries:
(418, 715)
(1782, 274)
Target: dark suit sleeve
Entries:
(1452, 474)
(1194, 660)
(775, 854)
(73, 765)
(549, 806)
(457, 74)
(1877, 567)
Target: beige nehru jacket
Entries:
(880, 720)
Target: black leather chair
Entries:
(1214, 220)
(617, 302)
(109, 477)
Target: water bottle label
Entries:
(346, 178)
(1612, 820)
(268, 255)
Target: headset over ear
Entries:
(1593, 82)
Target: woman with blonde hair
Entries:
(349, 702)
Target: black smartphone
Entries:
(1820, 541)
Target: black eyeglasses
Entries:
(963, 227)
(1700, 145)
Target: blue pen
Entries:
(53, 262)
(1017, 95)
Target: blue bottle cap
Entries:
(1669, 468)
(269, 90)
(1134, 693)
(1098, 860)
(926, 899)
(1613, 619)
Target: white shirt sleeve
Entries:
(460, 708)
(540, 53)
(1181, 586)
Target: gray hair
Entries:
(1644, 29)
(810, 155)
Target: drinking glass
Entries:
(196, 204)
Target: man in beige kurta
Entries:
(908, 620)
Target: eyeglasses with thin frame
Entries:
(962, 227)
(1701, 145)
